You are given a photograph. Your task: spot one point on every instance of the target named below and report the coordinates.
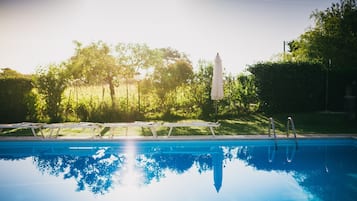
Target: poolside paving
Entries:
(188, 137)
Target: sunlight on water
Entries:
(132, 177)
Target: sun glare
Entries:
(132, 177)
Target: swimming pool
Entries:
(310, 169)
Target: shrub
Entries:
(290, 87)
(15, 94)
(51, 84)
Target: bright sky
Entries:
(39, 32)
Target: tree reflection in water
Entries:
(154, 165)
(324, 171)
(94, 173)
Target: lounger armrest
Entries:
(191, 124)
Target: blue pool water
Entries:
(179, 170)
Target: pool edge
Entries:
(183, 138)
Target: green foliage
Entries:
(241, 94)
(289, 87)
(34, 106)
(174, 71)
(15, 95)
(51, 83)
(94, 64)
(202, 88)
(91, 64)
(339, 81)
(100, 113)
(9, 73)
(98, 63)
(135, 58)
(143, 83)
(333, 39)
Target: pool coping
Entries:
(183, 138)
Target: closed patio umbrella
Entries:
(217, 83)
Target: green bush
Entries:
(290, 87)
(339, 81)
(51, 83)
(15, 94)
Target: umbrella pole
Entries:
(216, 111)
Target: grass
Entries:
(305, 123)
(320, 123)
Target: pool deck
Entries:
(191, 137)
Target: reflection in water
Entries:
(320, 172)
(132, 176)
(217, 167)
(93, 172)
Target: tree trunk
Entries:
(112, 91)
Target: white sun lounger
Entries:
(59, 126)
(210, 125)
(151, 125)
(24, 125)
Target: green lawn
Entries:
(305, 123)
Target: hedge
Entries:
(339, 81)
(290, 87)
(302, 87)
(14, 93)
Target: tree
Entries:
(134, 59)
(173, 70)
(242, 93)
(51, 83)
(202, 88)
(9, 73)
(333, 39)
(94, 64)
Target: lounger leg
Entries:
(40, 131)
(94, 132)
(212, 131)
(153, 131)
(57, 132)
(111, 132)
(51, 131)
(33, 132)
(170, 131)
(126, 131)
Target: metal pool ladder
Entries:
(290, 121)
(272, 127)
(290, 152)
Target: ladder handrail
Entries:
(290, 156)
(290, 121)
(271, 154)
(272, 127)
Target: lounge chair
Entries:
(59, 126)
(151, 125)
(210, 125)
(24, 125)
